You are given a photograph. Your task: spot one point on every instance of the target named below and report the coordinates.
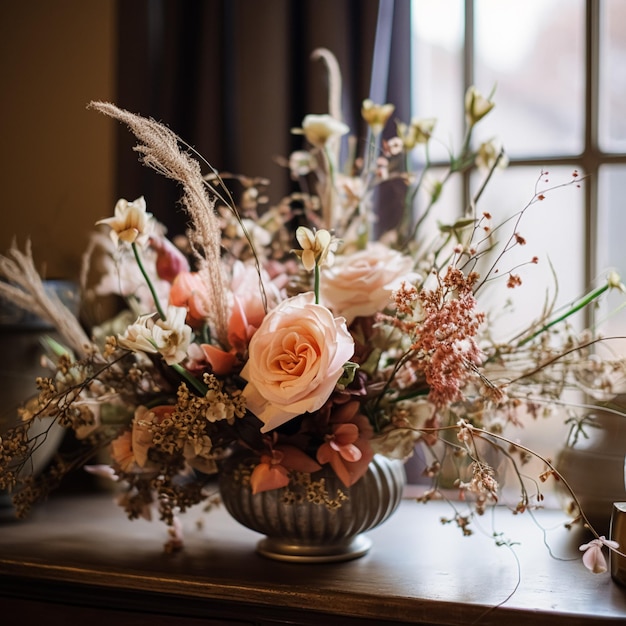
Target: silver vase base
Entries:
(285, 550)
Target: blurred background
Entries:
(232, 77)
(228, 76)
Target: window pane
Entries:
(611, 249)
(533, 53)
(553, 229)
(437, 67)
(612, 124)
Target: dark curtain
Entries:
(232, 77)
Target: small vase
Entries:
(593, 466)
(21, 334)
(315, 518)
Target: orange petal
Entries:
(265, 477)
(221, 362)
(296, 459)
(238, 327)
(341, 469)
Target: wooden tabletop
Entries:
(81, 553)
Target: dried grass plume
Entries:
(25, 288)
(160, 149)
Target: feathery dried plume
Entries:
(160, 149)
(26, 290)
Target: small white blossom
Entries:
(318, 129)
(476, 106)
(131, 222)
(376, 115)
(317, 248)
(170, 337)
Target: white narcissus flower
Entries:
(317, 248)
(130, 223)
(418, 131)
(476, 105)
(169, 337)
(487, 153)
(295, 360)
(318, 129)
(302, 163)
(614, 281)
(376, 115)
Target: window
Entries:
(560, 95)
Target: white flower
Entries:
(130, 223)
(476, 105)
(615, 282)
(302, 163)
(317, 248)
(170, 337)
(376, 115)
(487, 153)
(418, 131)
(318, 129)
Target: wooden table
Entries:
(79, 558)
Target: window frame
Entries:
(591, 159)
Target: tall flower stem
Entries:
(590, 297)
(194, 382)
(329, 217)
(148, 281)
(316, 282)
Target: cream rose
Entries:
(295, 359)
(361, 283)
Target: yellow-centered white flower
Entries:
(615, 282)
(318, 129)
(169, 337)
(487, 153)
(476, 105)
(418, 131)
(376, 115)
(131, 222)
(317, 248)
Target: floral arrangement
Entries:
(292, 331)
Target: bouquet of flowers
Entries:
(290, 330)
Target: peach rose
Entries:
(360, 284)
(295, 360)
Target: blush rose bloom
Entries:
(295, 360)
(361, 283)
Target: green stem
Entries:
(148, 281)
(194, 382)
(316, 285)
(329, 192)
(590, 297)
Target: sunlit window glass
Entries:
(437, 71)
(532, 53)
(550, 228)
(612, 251)
(612, 123)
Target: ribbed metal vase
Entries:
(316, 519)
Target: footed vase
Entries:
(315, 518)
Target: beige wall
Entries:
(56, 177)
